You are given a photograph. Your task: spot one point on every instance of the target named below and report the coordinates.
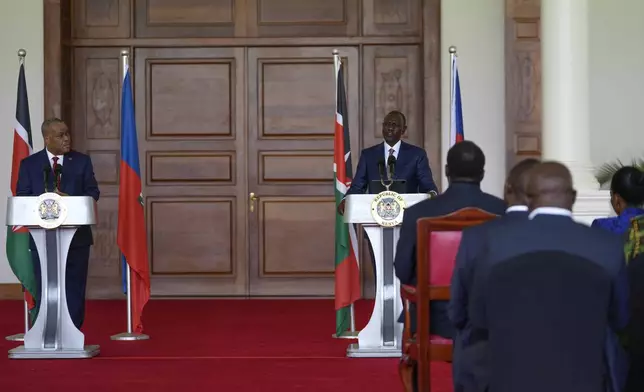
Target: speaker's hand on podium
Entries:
(59, 193)
(341, 207)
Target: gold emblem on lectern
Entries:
(387, 208)
(51, 210)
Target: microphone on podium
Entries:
(391, 166)
(381, 169)
(45, 174)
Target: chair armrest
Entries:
(408, 293)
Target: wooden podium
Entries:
(382, 337)
(52, 221)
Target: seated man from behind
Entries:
(465, 169)
(522, 361)
(469, 367)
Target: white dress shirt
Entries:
(517, 209)
(396, 148)
(550, 211)
(51, 159)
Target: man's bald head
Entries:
(550, 185)
(516, 185)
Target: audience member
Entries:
(626, 197)
(465, 169)
(469, 365)
(550, 228)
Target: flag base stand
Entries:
(19, 337)
(346, 335)
(127, 336)
(23, 353)
(355, 351)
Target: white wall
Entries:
(21, 26)
(476, 28)
(616, 71)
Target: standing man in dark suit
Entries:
(77, 179)
(550, 227)
(465, 169)
(412, 164)
(469, 365)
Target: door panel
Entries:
(95, 129)
(291, 98)
(190, 120)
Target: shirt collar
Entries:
(550, 211)
(396, 148)
(51, 157)
(517, 209)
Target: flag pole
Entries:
(20, 337)
(129, 335)
(352, 334)
(452, 95)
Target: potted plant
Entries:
(605, 172)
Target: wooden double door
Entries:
(236, 148)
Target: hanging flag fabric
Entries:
(131, 233)
(17, 245)
(456, 116)
(347, 273)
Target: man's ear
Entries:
(574, 196)
(446, 171)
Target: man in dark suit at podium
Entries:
(76, 178)
(409, 163)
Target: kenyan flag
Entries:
(18, 252)
(347, 273)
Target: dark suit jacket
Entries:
(456, 197)
(470, 365)
(556, 233)
(470, 250)
(553, 233)
(412, 166)
(77, 179)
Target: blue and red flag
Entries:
(131, 234)
(456, 109)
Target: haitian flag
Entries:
(131, 235)
(347, 272)
(456, 109)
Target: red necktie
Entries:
(56, 176)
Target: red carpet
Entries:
(222, 345)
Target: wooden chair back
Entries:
(438, 239)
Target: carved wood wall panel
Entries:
(523, 80)
(95, 129)
(101, 18)
(391, 17)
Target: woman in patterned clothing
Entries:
(626, 197)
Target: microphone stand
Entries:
(46, 171)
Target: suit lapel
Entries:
(403, 159)
(68, 169)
